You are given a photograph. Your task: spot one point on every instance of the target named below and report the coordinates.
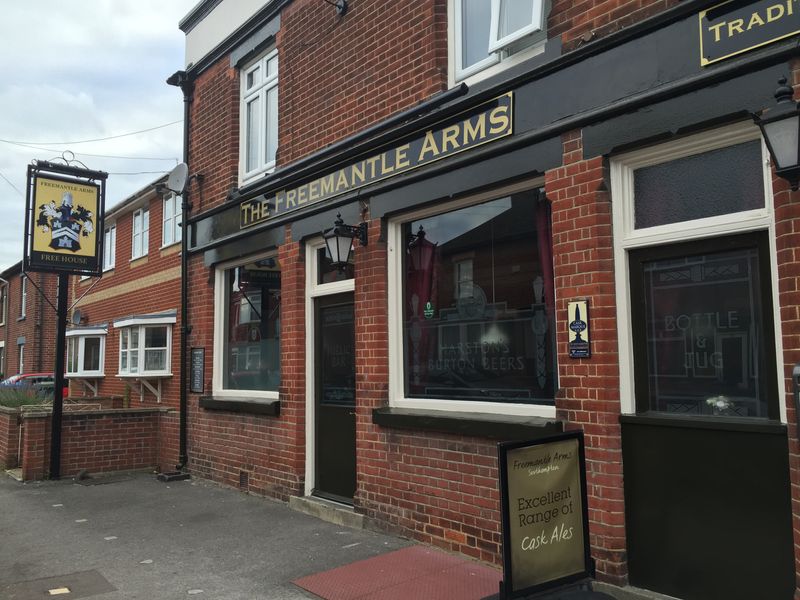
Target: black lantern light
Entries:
(339, 241)
(420, 250)
(780, 126)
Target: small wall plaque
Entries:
(578, 329)
(197, 370)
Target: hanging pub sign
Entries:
(64, 213)
(578, 328)
(733, 27)
(485, 123)
(544, 514)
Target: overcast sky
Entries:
(80, 70)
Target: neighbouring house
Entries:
(27, 321)
(496, 163)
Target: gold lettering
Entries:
(291, 195)
(372, 161)
(428, 145)
(302, 194)
(401, 157)
(735, 26)
(754, 20)
(313, 191)
(385, 168)
(279, 197)
(327, 185)
(245, 214)
(715, 29)
(499, 120)
(449, 136)
(775, 12)
(477, 132)
(341, 182)
(357, 171)
(789, 7)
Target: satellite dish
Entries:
(76, 316)
(176, 180)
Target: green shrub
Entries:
(13, 397)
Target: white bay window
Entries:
(259, 117)
(86, 352)
(145, 344)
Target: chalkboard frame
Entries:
(193, 362)
(507, 590)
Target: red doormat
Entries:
(414, 573)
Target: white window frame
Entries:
(261, 91)
(2, 358)
(140, 241)
(109, 247)
(23, 296)
(220, 318)
(3, 304)
(496, 43)
(81, 335)
(499, 60)
(627, 237)
(21, 364)
(396, 249)
(171, 220)
(141, 324)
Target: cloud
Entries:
(82, 70)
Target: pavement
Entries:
(138, 538)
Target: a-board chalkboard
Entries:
(544, 512)
(197, 373)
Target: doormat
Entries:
(102, 479)
(414, 572)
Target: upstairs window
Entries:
(171, 229)
(487, 32)
(3, 305)
(141, 231)
(259, 117)
(145, 344)
(109, 247)
(23, 296)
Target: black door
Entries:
(335, 398)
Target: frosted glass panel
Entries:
(476, 21)
(514, 15)
(710, 184)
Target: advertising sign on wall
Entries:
(62, 224)
(544, 511)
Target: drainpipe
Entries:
(182, 80)
(4, 362)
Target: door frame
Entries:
(315, 290)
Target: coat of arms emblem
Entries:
(66, 224)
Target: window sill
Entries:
(139, 260)
(169, 249)
(269, 407)
(22, 318)
(486, 425)
(84, 375)
(158, 375)
(751, 425)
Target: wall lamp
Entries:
(339, 241)
(780, 126)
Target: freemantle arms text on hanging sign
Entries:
(489, 122)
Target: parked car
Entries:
(40, 382)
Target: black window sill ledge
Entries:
(706, 422)
(485, 425)
(253, 406)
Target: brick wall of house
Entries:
(38, 326)
(9, 437)
(589, 397)
(150, 284)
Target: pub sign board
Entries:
(64, 215)
(544, 514)
(735, 27)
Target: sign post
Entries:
(544, 514)
(63, 234)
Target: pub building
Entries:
(404, 246)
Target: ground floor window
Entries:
(145, 344)
(478, 302)
(85, 352)
(703, 329)
(248, 327)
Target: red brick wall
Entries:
(338, 76)
(581, 22)
(787, 240)
(589, 398)
(97, 441)
(9, 437)
(38, 327)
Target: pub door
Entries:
(334, 393)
